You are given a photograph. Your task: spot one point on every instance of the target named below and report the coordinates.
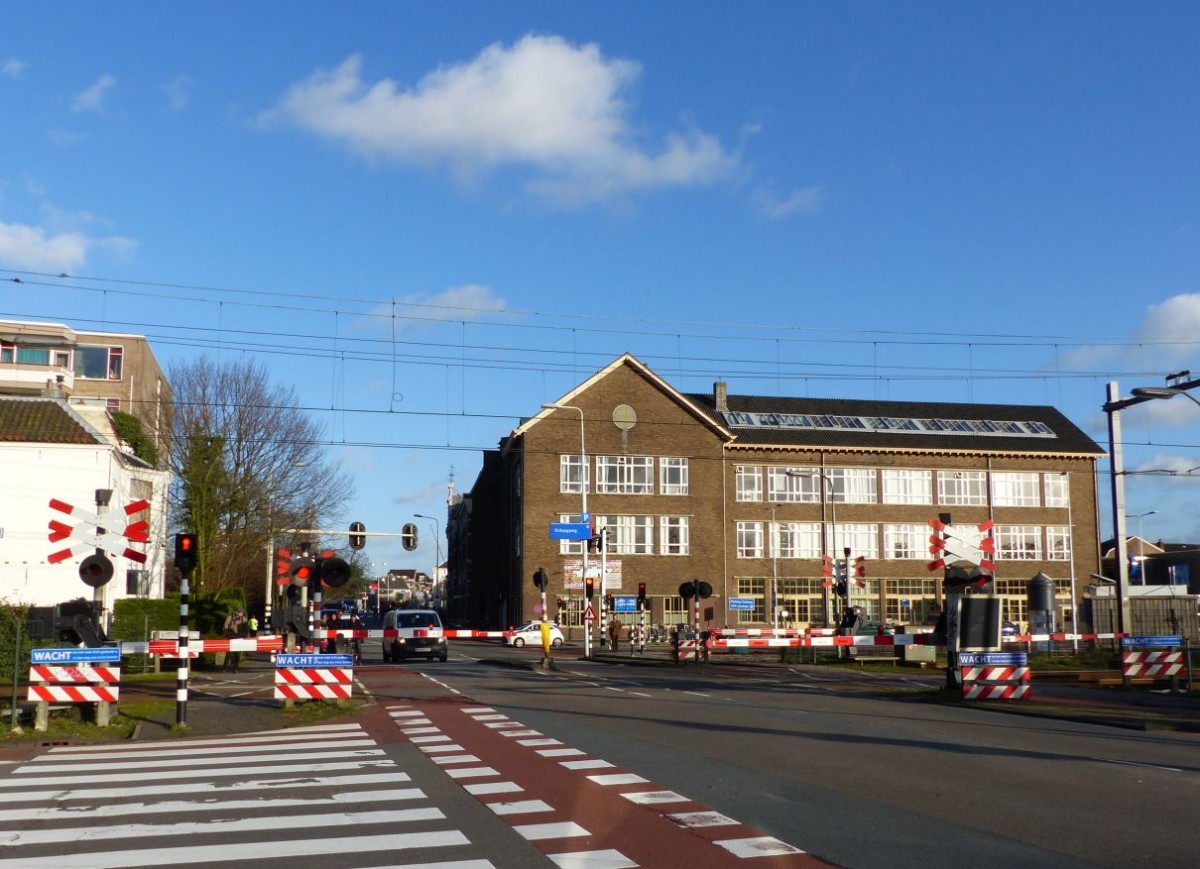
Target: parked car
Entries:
(1009, 629)
(530, 634)
(419, 633)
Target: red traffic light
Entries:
(301, 570)
(589, 587)
(641, 592)
(185, 552)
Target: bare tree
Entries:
(247, 462)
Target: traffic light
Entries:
(540, 579)
(96, 569)
(589, 588)
(358, 535)
(185, 553)
(408, 537)
(301, 569)
(641, 592)
(333, 571)
(964, 579)
(78, 622)
(608, 602)
(561, 603)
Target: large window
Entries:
(907, 487)
(1058, 543)
(673, 476)
(962, 488)
(1010, 489)
(749, 540)
(794, 485)
(861, 537)
(98, 363)
(796, 539)
(570, 547)
(853, 485)
(572, 474)
(1058, 490)
(625, 475)
(629, 535)
(749, 483)
(673, 535)
(1018, 542)
(33, 356)
(905, 541)
(754, 587)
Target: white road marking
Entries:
(610, 859)
(759, 846)
(558, 830)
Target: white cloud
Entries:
(416, 312)
(28, 247)
(179, 92)
(91, 98)
(13, 68)
(31, 247)
(771, 206)
(1167, 338)
(542, 104)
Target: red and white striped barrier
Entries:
(1159, 665)
(78, 684)
(986, 691)
(995, 674)
(295, 683)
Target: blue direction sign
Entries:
(100, 654)
(1152, 641)
(570, 531)
(741, 603)
(992, 659)
(339, 661)
(625, 604)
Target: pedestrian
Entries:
(235, 627)
(252, 623)
(614, 633)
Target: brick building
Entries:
(751, 493)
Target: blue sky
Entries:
(431, 218)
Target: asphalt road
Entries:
(862, 770)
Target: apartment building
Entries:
(756, 494)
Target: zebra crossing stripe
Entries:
(123, 760)
(300, 770)
(332, 731)
(239, 852)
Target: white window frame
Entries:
(1016, 489)
(674, 535)
(1018, 542)
(902, 541)
(572, 474)
(625, 475)
(672, 475)
(1058, 490)
(853, 485)
(861, 537)
(962, 488)
(628, 535)
(1058, 543)
(787, 485)
(750, 542)
(570, 547)
(796, 539)
(907, 486)
(748, 483)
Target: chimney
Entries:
(721, 395)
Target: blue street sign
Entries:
(624, 604)
(585, 519)
(1152, 641)
(741, 603)
(100, 654)
(992, 659)
(323, 661)
(570, 531)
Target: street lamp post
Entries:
(584, 482)
(437, 543)
(831, 543)
(1141, 539)
(1113, 407)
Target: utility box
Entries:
(911, 653)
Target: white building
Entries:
(50, 449)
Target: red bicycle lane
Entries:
(579, 809)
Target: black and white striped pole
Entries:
(185, 563)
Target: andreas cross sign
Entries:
(109, 531)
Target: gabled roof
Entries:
(763, 421)
(627, 360)
(44, 421)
